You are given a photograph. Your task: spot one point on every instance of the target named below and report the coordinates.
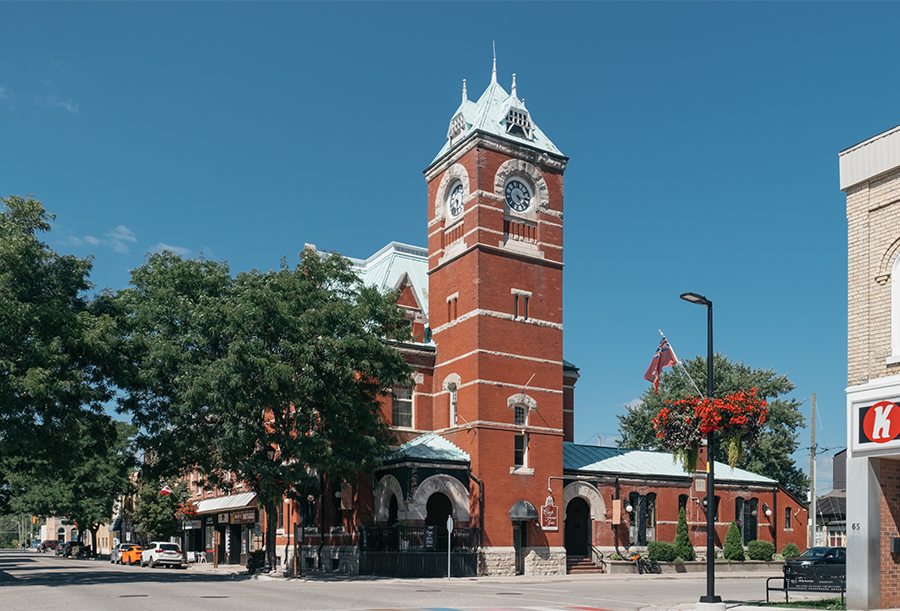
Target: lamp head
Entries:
(696, 298)
(184, 493)
(629, 508)
(270, 453)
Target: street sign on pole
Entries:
(449, 539)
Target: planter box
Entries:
(626, 567)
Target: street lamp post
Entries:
(184, 495)
(710, 597)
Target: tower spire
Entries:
(465, 97)
(514, 85)
(494, 71)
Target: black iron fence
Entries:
(418, 539)
(418, 551)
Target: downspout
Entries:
(480, 506)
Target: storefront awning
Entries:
(225, 503)
(523, 511)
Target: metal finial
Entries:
(465, 97)
(514, 85)
(494, 72)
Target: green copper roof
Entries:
(429, 447)
(614, 461)
(386, 267)
(489, 115)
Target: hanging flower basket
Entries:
(683, 424)
(186, 510)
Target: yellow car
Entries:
(132, 555)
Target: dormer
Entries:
(457, 126)
(518, 123)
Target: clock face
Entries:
(518, 195)
(455, 202)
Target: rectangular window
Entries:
(787, 518)
(401, 413)
(519, 459)
(525, 313)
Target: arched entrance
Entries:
(392, 511)
(577, 527)
(438, 509)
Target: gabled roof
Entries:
(429, 447)
(489, 115)
(386, 268)
(641, 462)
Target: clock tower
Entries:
(495, 265)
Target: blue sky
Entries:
(703, 141)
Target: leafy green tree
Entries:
(733, 549)
(683, 547)
(155, 517)
(52, 345)
(88, 491)
(770, 457)
(219, 371)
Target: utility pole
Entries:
(812, 475)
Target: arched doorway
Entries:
(438, 509)
(392, 511)
(577, 527)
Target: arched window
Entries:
(452, 389)
(521, 415)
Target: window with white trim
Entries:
(401, 409)
(521, 418)
(895, 312)
(521, 451)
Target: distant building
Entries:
(870, 176)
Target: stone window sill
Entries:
(521, 471)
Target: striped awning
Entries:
(226, 503)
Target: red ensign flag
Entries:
(664, 357)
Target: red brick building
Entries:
(487, 428)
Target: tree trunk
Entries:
(271, 526)
(94, 531)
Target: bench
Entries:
(812, 578)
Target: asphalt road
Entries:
(31, 581)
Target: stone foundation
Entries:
(501, 561)
(545, 561)
(496, 562)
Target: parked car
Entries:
(63, 549)
(819, 555)
(132, 555)
(161, 552)
(115, 556)
(48, 546)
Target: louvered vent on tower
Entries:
(518, 123)
(457, 126)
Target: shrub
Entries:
(615, 557)
(760, 550)
(777, 556)
(790, 550)
(661, 551)
(734, 550)
(679, 561)
(683, 547)
(256, 561)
